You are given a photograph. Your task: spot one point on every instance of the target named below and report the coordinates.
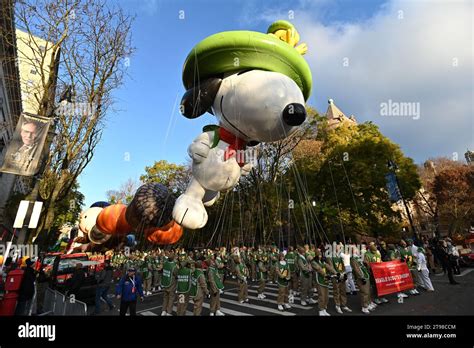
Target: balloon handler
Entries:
(256, 85)
(127, 290)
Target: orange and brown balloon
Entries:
(111, 220)
(168, 234)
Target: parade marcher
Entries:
(362, 277)
(339, 282)
(221, 262)
(146, 270)
(283, 273)
(242, 274)
(407, 257)
(198, 287)
(323, 272)
(350, 285)
(253, 264)
(373, 255)
(273, 260)
(104, 280)
(183, 285)
(394, 254)
(262, 273)
(168, 283)
(305, 276)
(157, 270)
(215, 286)
(229, 262)
(423, 272)
(127, 289)
(290, 257)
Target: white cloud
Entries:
(408, 59)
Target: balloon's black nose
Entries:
(294, 114)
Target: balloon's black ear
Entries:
(197, 100)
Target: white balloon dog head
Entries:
(88, 218)
(254, 105)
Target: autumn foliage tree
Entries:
(174, 176)
(454, 192)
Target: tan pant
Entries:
(364, 293)
(261, 286)
(183, 300)
(156, 278)
(273, 274)
(339, 293)
(147, 284)
(168, 299)
(305, 286)
(198, 301)
(414, 276)
(282, 295)
(243, 291)
(323, 297)
(293, 282)
(373, 288)
(215, 302)
(253, 271)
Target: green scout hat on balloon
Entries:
(230, 51)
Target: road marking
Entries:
(268, 300)
(229, 311)
(260, 308)
(294, 296)
(148, 309)
(148, 313)
(463, 273)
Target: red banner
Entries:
(391, 277)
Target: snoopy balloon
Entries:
(256, 85)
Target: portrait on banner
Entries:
(23, 153)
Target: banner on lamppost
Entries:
(392, 187)
(23, 154)
(22, 211)
(391, 277)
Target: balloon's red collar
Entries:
(236, 146)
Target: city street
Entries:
(446, 300)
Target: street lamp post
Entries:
(393, 167)
(65, 98)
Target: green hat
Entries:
(238, 50)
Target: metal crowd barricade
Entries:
(75, 307)
(59, 304)
(49, 301)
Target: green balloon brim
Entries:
(241, 50)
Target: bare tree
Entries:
(125, 194)
(89, 42)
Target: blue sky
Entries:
(146, 124)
